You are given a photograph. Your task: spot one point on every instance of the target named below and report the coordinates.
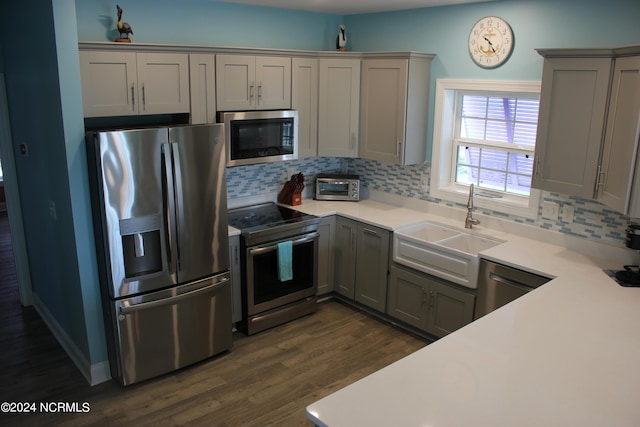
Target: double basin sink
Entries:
(444, 252)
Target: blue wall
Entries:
(208, 23)
(40, 62)
(535, 24)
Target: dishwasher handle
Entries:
(503, 280)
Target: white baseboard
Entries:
(94, 374)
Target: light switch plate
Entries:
(550, 210)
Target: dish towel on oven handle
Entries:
(285, 261)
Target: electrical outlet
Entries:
(550, 210)
(424, 183)
(568, 213)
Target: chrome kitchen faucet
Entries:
(470, 221)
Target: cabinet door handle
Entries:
(259, 92)
(352, 143)
(144, 98)
(602, 179)
(398, 150)
(251, 88)
(133, 97)
(432, 299)
(424, 297)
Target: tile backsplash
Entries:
(265, 178)
(592, 220)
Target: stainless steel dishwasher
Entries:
(499, 285)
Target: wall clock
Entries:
(490, 42)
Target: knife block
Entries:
(290, 195)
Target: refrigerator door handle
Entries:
(170, 300)
(178, 198)
(169, 203)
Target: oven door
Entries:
(264, 290)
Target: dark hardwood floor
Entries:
(266, 379)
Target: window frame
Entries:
(443, 162)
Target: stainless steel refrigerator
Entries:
(160, 215)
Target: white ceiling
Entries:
(348, 7)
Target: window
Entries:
(484, 133)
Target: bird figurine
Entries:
(123, 27)
(341, 40)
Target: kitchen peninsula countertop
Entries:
(565, 354)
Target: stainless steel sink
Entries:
(444, 252)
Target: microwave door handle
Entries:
(169, 204)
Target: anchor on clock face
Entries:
(491, 49)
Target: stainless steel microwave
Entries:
(260, 136)
(334, 186)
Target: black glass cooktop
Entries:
(627, 277)
(265, 216)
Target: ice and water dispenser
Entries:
(142, 243)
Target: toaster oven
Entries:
(334, 186)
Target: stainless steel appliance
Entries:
(499, 284)
(160, 216)
(336, 186)
(267, 298)
(260, 136)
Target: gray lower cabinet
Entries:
(428, 303)
(326, 243)
(236, 279)
(361, 262)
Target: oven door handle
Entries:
(263, 249)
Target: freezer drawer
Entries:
(167, 330)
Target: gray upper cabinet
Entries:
(118, 83)
(339, 107)
(573, 104)
(394, 106)
(621, 139)
(202, 78)
(246, 82)
(588, 127)
(304, 98)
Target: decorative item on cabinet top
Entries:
(341, 39)
(123, 28)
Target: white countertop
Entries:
(565, 354)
